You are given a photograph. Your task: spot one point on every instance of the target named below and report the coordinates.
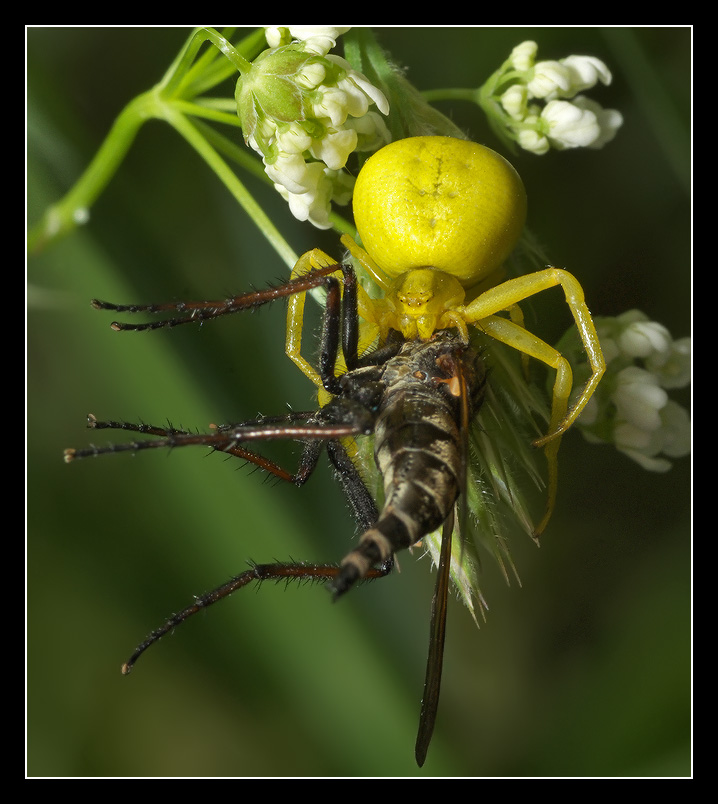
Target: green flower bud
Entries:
(272, 90)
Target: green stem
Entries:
(433, 95)
(64, 216)
(227, 48)
(341, 225)
(164, 102)
(207, 112)
(210, 70)
(231, 150)
(240, 193)
(72, 210)
(181, 69)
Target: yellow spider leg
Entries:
(368, 331)
(505, 331)
(295, 312)
(366, 262)
(513, 291)
(372, 312)
(517, 316)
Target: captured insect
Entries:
(437, 217)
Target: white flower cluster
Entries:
(305, 111)
(319, 39)
(631, 407)
(543, 105)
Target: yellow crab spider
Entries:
(437, 217)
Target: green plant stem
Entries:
(170, 100)
(183, 71)
(166, 101)
(62, 217)
(227, 176)
(433, 95)
(161, 103)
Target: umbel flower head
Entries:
(631, 407)
(538, 103)
(305, 111)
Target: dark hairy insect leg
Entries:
(295, 571)
(357, 494)
(228, 439)
(224, 439)
(193, 312)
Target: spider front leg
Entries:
(341, 312)
(503, 297)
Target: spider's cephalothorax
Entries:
(437, 217)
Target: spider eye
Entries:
(464, 205)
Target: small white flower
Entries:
(677, 430)
(312, 174)
(609, 120)
(672, 367)
(332, 104)
(530, 140)
(372, 132)
(639, 398)
(277, 35)
(523, 55)
(644, 338)
(311, 75)
(313, 203)
(549, 79)
(359, 87)
(672, 438)
(514, 101)
(319, 39)
(334, 147)
(290, 171)
(292, 139)
(585, 72)
(569, 126)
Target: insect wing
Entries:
(437, 638)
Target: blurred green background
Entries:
(585, 670)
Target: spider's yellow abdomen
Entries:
(439, 202)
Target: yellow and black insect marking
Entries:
(436, 218)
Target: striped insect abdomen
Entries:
(417, 451)
(418, 446)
